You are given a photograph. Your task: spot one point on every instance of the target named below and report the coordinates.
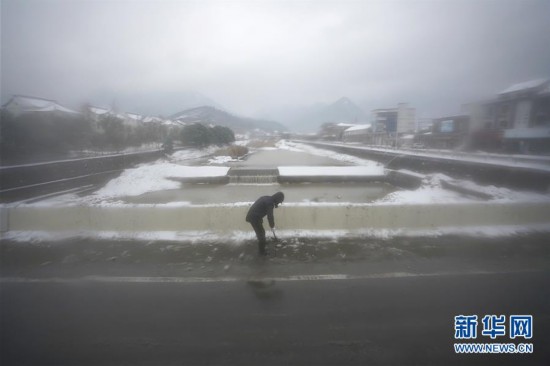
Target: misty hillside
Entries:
(211, 115)
(343, 110)
(308, 119)
(155, 102)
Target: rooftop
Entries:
(23, 103)
(358, 128)
(526, 85)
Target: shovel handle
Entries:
(274, 235)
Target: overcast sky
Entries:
(255, 55)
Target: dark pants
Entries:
(260, 234)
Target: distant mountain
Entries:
(345, 109)
(155, 103)
(309, 119)
(211, 115)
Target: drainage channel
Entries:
(253, 175)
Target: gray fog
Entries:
(255, 57)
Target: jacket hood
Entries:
(278, 197)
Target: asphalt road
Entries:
(367, 320)
(313, 301)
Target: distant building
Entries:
(424, 124)
(446, 132)
(384, 120)
(132, 119)
(333, 131)
(358, 133)
(20, 104)
(390, 123)
(394, 120)
(518, 119)
(406, 140)
(98, 112)
(128, 119)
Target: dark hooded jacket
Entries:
(264, 206)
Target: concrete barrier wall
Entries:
(29, 174)
(229, 218)
(514, 177)
(32, 180)
(403, 179)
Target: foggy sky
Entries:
(250, 56)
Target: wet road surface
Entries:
(396, 321)
(388, 302)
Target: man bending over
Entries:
(262, 207)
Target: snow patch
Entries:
(155, 177)
(500, 194)
(242, 237)
(191, 154)
(286, 145)
(298, 147)
(221, 160)
(293, 171)
(432, 192)
(424, 195)
(242, 142)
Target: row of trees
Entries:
(46, 136)
(198, 135)
(113, 134)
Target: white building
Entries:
(519, 115)
(394, 120)
(406, 118)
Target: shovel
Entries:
(274, 235)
